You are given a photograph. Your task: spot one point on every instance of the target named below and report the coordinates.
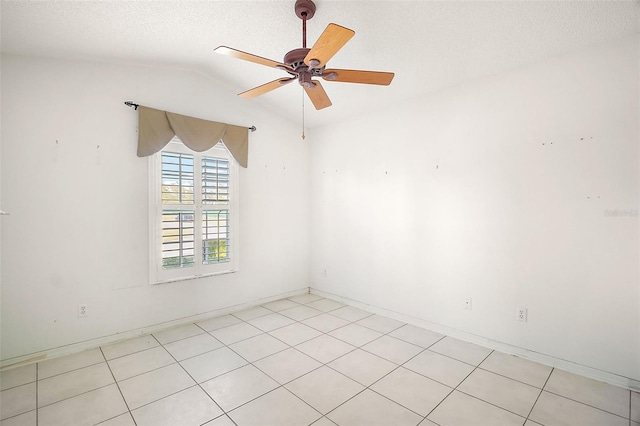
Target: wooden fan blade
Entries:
(356, 76)
(267, 87)
(234, 53)
(331, 40)
(318, 96)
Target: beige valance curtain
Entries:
(156, 128)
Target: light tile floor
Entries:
(302, 361)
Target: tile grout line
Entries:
(294, 348)
(131, 353)
(492, 403)
(162, 345)
(196, 384)
(263, 372)
(279, 384)
(541, 390)
(322, 415)
(462, 381)
(75, 369)
(147, 371)
(305, 402)
(361, 347)
(369, 386)
(540, 394)
(231, 349)
(385, 375)
(119, 390)
(205, 332)
(327, 418)
(28, 411)
(71, 397)
(506, 377)
(495, 405)
(585, 404)
(456, 387)
(384, 396)
(187, 337)
(298, 321)
(175, 393)
(251, 362)
(478, 367)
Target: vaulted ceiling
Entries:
(430, 45)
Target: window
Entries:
(194, 218)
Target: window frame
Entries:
(158, 274)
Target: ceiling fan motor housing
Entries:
(295, 59)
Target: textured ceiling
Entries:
(430, 45)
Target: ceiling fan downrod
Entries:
(304, 30)
(305, 9)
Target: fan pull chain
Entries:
(302, 114)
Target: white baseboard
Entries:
(582, 370)
(114, 338)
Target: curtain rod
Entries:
(135, 106)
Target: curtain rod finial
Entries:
(131, 104)
(253, 128)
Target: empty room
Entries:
(319, 212)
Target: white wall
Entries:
(77, 194)
(495, 191)
(412, 210)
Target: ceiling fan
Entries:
(303, 64)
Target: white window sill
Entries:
(194, 277)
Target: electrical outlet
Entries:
(467, 304)
(82, 310)
(521, 314)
